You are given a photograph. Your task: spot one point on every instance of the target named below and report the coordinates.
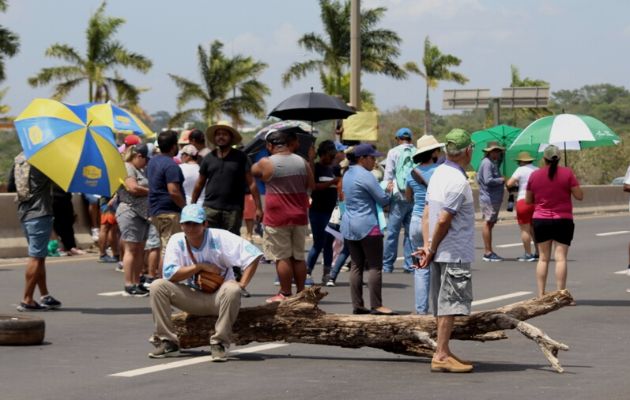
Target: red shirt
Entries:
(552, 198)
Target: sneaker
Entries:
(276, 281)
(536, 256)
(108, 259)
(330, 283)
(245, 293)
(31, 307)
(276, 299)
(50, 302)
(165, 349)
(135, 291)
(492, 257)
(345, 268)
(145, 281)
(217, 353)
(119, 267)
(95, 234)
(308, 282)
(526, 258)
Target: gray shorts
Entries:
(153, 239)
(133, 228)
(489, 211)
(451, 288)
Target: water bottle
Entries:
(510, 203)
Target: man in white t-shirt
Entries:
(189, 252)
(524, 211)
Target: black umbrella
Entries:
(313, 107)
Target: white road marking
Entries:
(503, 246)
(118, 293)
(623, 272)
(499, 298)
(612, 233)
(193, 361)
(400, 258)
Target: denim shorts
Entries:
(153, 240)
(37, 231)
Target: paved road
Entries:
(94, 337)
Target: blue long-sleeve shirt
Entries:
(362, 192)
(490, 182)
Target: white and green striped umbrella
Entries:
(568, 131)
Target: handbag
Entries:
(208, 282)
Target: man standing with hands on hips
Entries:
(448, 232)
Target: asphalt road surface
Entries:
(96, 345)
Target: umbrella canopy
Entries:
(505, 136)
(313, 107)
(567, 131)
(59, 140)
(118, 119)
(301, 129)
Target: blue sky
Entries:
(569, 43)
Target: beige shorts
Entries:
(166, 225)
(284, 242)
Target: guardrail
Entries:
(597, 199)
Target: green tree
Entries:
(104, 54)
(379, 48)
(9, 42)
(229, 87)
(435, 69)
(523, 116)
(4, 109)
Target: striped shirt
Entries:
(286, 201)
(450, 191)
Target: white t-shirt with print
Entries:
(220, 247)
(522, 176)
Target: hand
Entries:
(390, 187)
(259, 214)
(424, 257)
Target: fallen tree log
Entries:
(300, 320)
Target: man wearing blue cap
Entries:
(195, 249)
(397, 167)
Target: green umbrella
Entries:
(505, 136)
(567, 131)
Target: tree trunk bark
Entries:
(299, 320)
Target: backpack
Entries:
(404, 165)
(22, 172)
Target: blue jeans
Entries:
(421, 277)
(341, 260)
(399, 217)
(322, 240)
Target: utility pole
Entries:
(355, 54)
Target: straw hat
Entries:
(427, 143)
(493, 146)
(184, 137)
(212, 130)
(524, 156)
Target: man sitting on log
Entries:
(448, 230)
(196, 251)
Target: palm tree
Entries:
(436, 68)
(229, 87)
(104, 54)
(4, 109)
(9, 42)
(379, 47)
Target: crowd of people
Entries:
(179, 213)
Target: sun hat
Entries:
(403, 133)
(190, 150)
(193, 213)
(131, 140)
(225, 125)
(366, 149)
(551, 152)
(457, 139)
(493, 146)
(524, 156)
(183, 137)
(427, 143)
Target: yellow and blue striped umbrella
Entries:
(118, 119)
(60, 140)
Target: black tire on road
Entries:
(21, 330)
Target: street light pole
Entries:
(355, 54)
